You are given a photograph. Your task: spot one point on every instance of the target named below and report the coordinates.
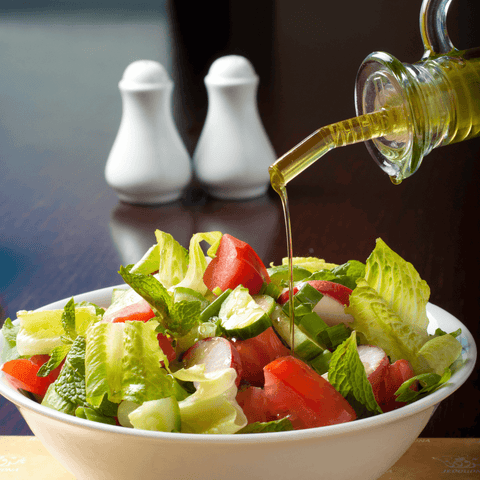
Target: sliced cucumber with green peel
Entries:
(305, 347)
(281, 274)
(213, 308)
(312, 325)
(185, 294)
(161, 415)
(241, 317)
(266, 302)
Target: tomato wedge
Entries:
(255, 404)
(236, 263)
(294, 387)
(396, 374)
(140, 310)
(256, 352)
(22, 373)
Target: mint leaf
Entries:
(56, 357)
(183, 316)
(347, 375)
(428, 382)
(281, 425)
(70, 384)
(149, 288)
(346, 274)
(68, 319)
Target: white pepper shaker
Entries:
(233, 152)
(149, 163)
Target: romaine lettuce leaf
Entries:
(123, 362)
(212, 408)
(197, 261)
(389, 307)
(312, 264)
(42, 331)
(281, 425)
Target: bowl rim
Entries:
(102, 298)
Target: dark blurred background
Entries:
(62, 229)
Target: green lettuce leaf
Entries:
(42, 331)
(123, 362)
(9, 332)
(197, 261)
(389, 307)
(312, 264)
(174, 260)
(212, 408)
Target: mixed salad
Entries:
(201, 342)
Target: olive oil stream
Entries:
(294, 162)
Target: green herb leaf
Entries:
(149, 288)
(281, 425)
(68, 319)
(56, 357)
(347, 374)
(70, 384)
(428, 382)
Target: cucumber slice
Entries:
(213, 308)
(240, 316)
(281, 274)
(266, 302)
(312, 325)
(185, 294)
(161, 415)
(305, 347)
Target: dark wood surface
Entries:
(63, 231)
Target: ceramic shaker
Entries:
(149, 163)
(233, 152)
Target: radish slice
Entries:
(332, 312)
(217, 353)
(376, 365)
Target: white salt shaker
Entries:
(149, 163)
(233, 152)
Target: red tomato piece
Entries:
(22, 373)
(236, 263)
(137, 311)
(166, 346)
(295, 388)
(256, 352)
(396, 374)
(255, 404)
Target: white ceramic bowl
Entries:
(363, 449)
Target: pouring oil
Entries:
(407, 110)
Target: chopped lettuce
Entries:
(312, 264)
(10, 332)
(123, 362)
(212, 408)
(41, 331)
(174, 260)
(389, 310)
(197, 261)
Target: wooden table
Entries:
(63, 231)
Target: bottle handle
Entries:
(433, 27)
